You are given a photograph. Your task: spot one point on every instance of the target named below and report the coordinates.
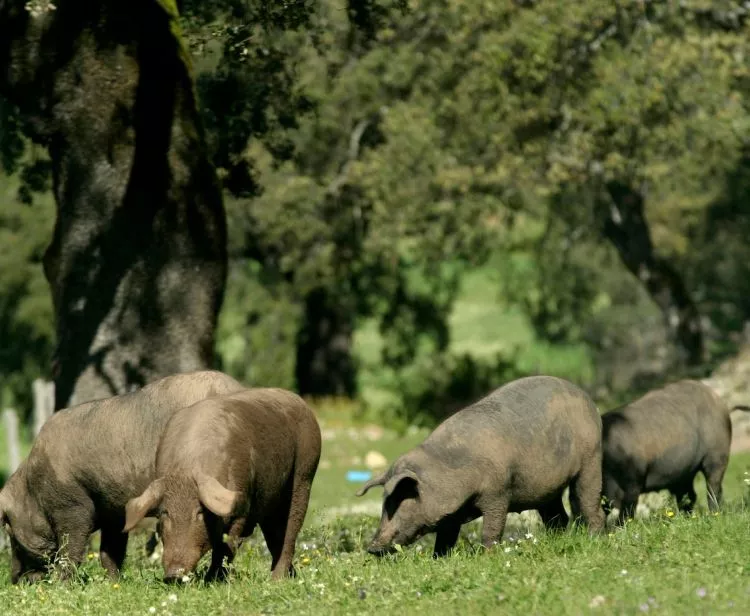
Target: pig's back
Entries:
(109, 446)
(527, 411)
(225, 431)
(668, 428)
(537, 429)
(248, 440)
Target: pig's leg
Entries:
(553, 514)
(114, 545)
(151, 544)
(612, 495)
(218, 570)
(296, 516)
(629, 504)
(685, 496)
(225, 549)
(445, 539)
(495, 512)
(713, 471)
(76, 543)
(273, 532)
(73, 529)
(586, 495)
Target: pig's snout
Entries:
(380, 549)
(174, 575)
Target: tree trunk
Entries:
(626, 227)
(324, 363)
(137, 264)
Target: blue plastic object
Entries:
(358, 476)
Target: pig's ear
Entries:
(215, 497)
(143, 505)
(403, 476)
(375, 481)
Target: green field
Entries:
(672, 565)
(662, 562)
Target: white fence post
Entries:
(10, 420)
(44, 402)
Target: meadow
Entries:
(666, 562)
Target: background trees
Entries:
(427, 197)
(137, 260)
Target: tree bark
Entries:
(137, 264)
(626, 227)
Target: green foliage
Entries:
(441, 172)
(12, 145)
(26, 317)
(256, 344)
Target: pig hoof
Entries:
(217, 575)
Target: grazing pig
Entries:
(516, 449)
(225, 465)
(84, 466)
(661, 441)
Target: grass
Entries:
(670, 565)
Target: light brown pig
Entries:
(225, 465)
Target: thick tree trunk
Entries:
(325, 365)
(137, 265)
(626, 227)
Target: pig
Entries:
(516, 449)
(225, 465)
(661, 441)
(84, 466)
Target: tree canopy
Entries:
(590, 158)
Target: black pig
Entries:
(516, 449)
(661, 441)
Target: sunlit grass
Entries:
(667, 563)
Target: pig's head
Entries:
(410, 509)
(189, 511)
(32, 539)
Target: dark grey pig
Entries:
(516, 449)
(661, 441)
(84, 466)
(225, 465)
